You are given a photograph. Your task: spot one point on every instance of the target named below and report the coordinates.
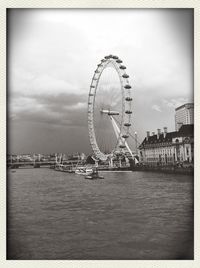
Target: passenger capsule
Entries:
(125, 136)
(97, 71)
(99, 65)
(122, 146)
(125, 76)
(89, 103)
(119, 61)
(128, 99)
(92, 86)
(127, 124)
(122, 67)
(127, 86)
(115, 58)
(128, 112)
(91, 94)
(107, 57)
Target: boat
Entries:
(94, 175)
(84, 170)
(70, 171)
(63, 168)
(59, 167)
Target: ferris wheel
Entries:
(109, 109)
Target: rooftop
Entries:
(184, 131)
(184, 105)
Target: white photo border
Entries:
(120, 4)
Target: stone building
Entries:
(168, 148)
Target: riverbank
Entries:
(166, 169)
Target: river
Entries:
(126, 216)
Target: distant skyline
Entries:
(52, 54)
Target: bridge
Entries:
(37, 164)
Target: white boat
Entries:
(84, 170)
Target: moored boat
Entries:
(84, 170)
(63, 168)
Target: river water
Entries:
(128, 215)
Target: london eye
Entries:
(109, 109)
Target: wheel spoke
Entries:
(109, 96)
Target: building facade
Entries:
(184, 115)
(168, 148)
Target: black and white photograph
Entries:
(100, 134)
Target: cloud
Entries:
(64, 109)
(52, 55)
(156, 108)
(29, 83)
(174, 103)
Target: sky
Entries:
(52, 55)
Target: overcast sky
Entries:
(52, 55)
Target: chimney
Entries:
(158, 133)
(153, 133)
(148, 134)
(165, 132)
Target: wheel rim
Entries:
(125, 120)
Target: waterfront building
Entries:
(184, 115)
(168, 148)
(77, 156)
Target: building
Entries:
(168, 148)
(184, 115)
